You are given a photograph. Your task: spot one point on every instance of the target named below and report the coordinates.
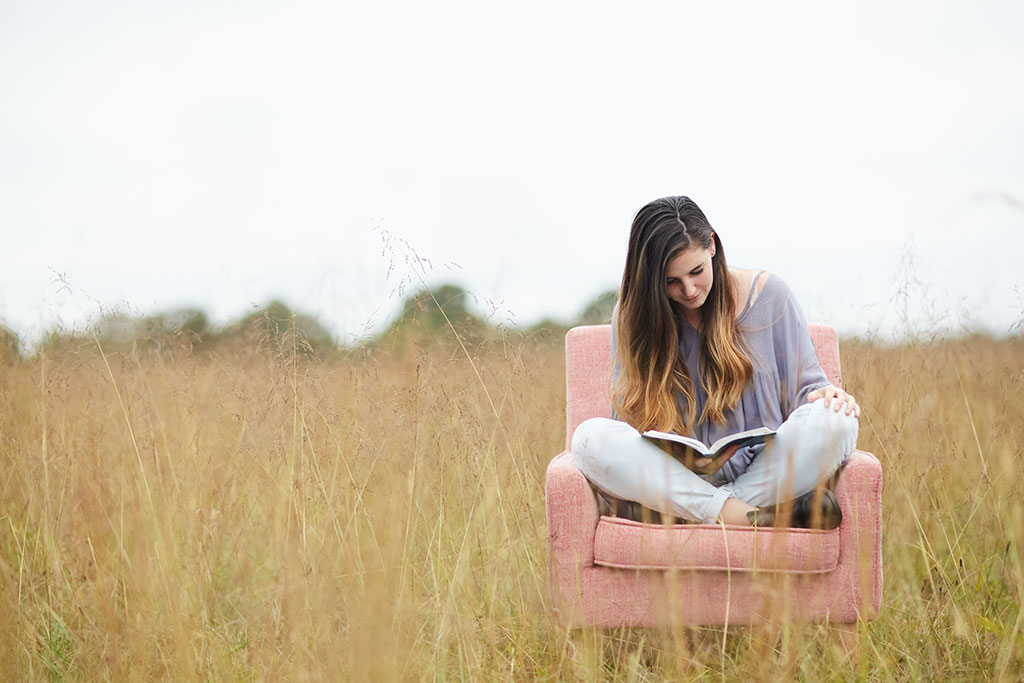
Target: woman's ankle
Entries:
(734, 511)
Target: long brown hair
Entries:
(652, 375)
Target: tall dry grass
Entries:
(263, 515)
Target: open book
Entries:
(711, 458)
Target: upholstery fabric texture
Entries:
(632, 545)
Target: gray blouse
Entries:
(775, 338)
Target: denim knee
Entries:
(587, 444)
(585, 433)
(837, 429)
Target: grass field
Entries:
(380, 515)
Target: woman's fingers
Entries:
(845, 399)
(855, 409)
(825, 392)
(831, 394)
(841, 398)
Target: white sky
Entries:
(217, 154)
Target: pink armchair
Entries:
(607, 571)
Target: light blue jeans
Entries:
(810, 446)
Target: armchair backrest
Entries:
(588, 370)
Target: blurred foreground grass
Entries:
(380, 515)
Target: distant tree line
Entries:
(434, 315)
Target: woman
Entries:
(703, 349)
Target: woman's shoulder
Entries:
(749, 284)
(766, 292)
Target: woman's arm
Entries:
(801, 379)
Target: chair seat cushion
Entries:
(625, 544)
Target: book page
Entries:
(745, 438)
(696, 445)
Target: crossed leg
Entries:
(809, 447)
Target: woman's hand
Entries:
(841, 398)
(701, 464)
(706, 465)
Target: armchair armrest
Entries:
(859, 487)
(572, 523)
(571, 513)
(859, 490)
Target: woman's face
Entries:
(689, 276)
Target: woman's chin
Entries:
(692, 304)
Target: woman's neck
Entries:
(693, 317)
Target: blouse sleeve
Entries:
(797, 363)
